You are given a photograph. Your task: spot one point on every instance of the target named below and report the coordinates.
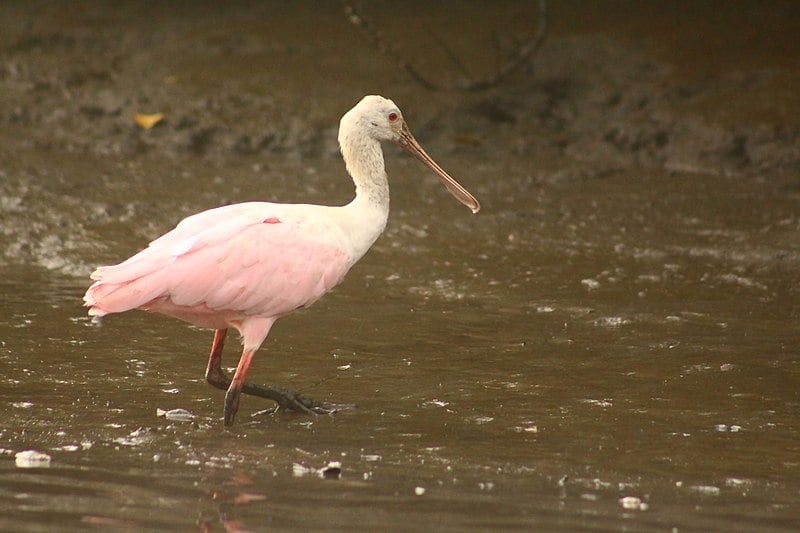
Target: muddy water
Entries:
(611, 344)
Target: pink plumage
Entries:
(243, 266)
(225, 267)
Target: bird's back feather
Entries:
(253, 259)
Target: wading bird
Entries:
(243, 266)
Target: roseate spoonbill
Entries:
(243, 266)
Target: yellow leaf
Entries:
(147, 120)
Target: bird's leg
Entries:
(286, 399)
(216, 377)
(214, 374)
(232, 396)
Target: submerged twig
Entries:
(522, 55)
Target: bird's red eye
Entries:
(392, 116)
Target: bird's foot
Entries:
(294, 401)
(289, 400)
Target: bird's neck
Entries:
(367, 214)
(363, 158)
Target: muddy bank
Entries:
(270, 79)
(246, 86)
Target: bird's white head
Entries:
(375, 116)
(378, 118)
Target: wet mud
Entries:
(611, 344)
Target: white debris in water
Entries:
(632, 502)
(136, 437)
(725, 428)
(435, 403)
(22, 405)
(179, 415)
(737, 482)
(419, 491)
(348, 366)
(478, 419)
(666, 345)
(708, 490)
(544, 309)
(333, 470)
(610, 322)
(31, 459)
(486, 485)
(299, 470)
(605, 402)
(598, 484)
(742, 281)
(590, 284)
(372, 457)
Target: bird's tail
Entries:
(125, 286)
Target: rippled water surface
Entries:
(530, 366)
(612, 351)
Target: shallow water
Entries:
(527, 367)
(596, 350)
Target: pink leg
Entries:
(286, 399)
(214, 374)
(232, 396)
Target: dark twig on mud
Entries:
(451, 55)
(522, 55)
(376, 40)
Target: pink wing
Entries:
(253, 259)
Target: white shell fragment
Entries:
(32, 459)
(179, 415)
(634, 503)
